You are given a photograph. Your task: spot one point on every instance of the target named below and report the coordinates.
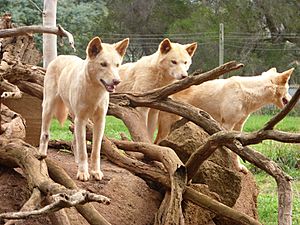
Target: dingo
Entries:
(82, 87)
(231, 101)
(169, 63)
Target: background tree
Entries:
(49, 40)
(261, 34)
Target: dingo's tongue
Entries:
(109, 87)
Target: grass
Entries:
(286, 155)
(289, 123)
(113, 127)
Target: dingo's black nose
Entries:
(183, 76)
(116, 81)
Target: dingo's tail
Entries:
(61, 111)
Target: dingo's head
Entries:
(103, 61)
(175, 59)
(280, 83)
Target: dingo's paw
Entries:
(97, 175)
(83, 176)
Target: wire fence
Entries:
(258, 52)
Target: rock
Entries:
(185, 137)
(194, 214)
(234, 189)
(226, 183)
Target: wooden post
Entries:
(221, 44)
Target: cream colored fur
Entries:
(82, 88)
(168, 64)
(231, 101)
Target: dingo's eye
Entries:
(118, 65)
(173, 62)
(103, 64)
(185, 62)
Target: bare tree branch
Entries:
(61, 201)
(25, 30)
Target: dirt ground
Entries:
(132, 201)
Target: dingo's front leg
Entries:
(80, 136)
(47, 113)
(98, 131)
(152, 122)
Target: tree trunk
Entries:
(49, 40)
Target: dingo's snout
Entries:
(183, 76)
(116, 81)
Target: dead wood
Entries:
(60, 201)
(170, 211)
(9, 90)
(114, 154)
(60, 144)
(15, 72)
(15, 152)
(12, 124)
(25, 30)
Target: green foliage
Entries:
(83, 19)
(260, 34)
(23, 11)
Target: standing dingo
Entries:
(168, 64)
(231, 101)
(82, 87)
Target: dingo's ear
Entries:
(284, 77)
(121, 46)
(165, 46)
(191, 48)
(94, 47)
(272, 70)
